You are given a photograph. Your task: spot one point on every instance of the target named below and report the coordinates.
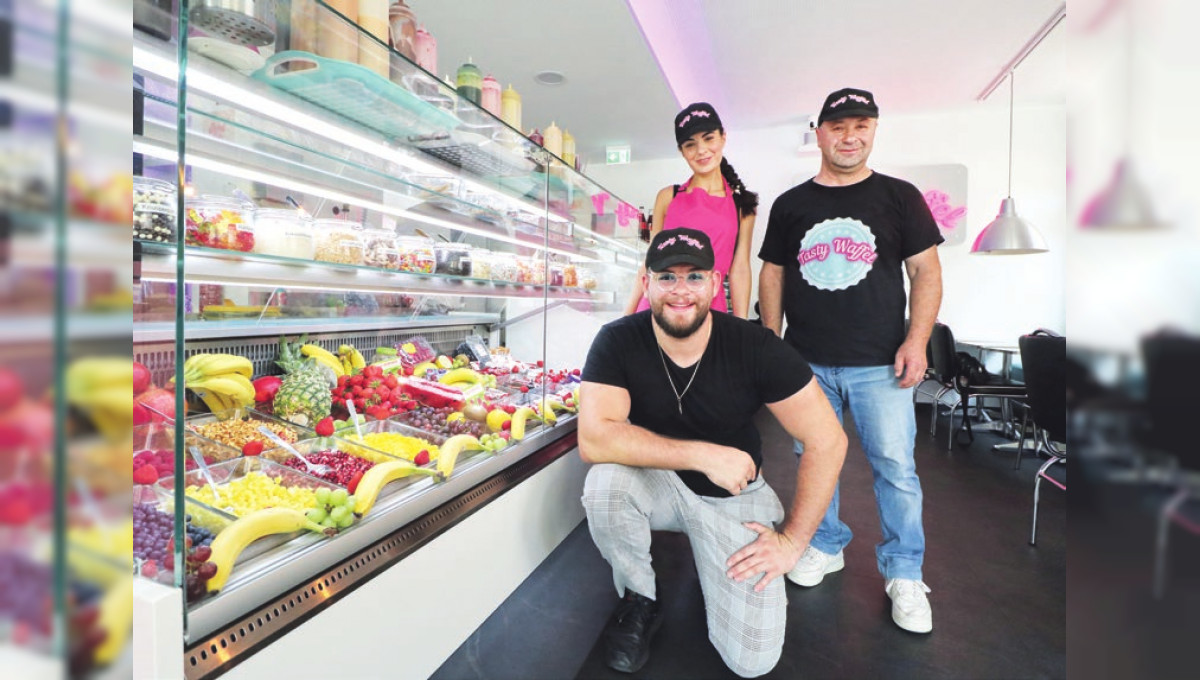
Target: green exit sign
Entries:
(616, 155)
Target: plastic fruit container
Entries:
(481, 263)
(453, 259)
(504, 268)
(153, 210)
(379, 249)
(235, 427)
(218, 222)
(416, 254)
(283, 233)
(338, 241)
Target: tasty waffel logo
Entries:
(837, 254)
(850, 97)
(686, 239)
(699, 113)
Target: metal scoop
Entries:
(314, 468)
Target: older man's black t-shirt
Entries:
(841, 249)
(743, 367)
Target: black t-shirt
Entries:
(743, 367)
(842, 249)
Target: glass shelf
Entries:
(244, 127)
(227, 267)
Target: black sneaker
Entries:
(629, 631)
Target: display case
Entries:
(325, 223)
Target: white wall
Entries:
(986, 297)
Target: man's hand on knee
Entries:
(771, 554)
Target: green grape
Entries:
(340, 514)
(317, 515)
(338, 497)
(345, 523)
(351, 501)
(327, 522)
(322, 496)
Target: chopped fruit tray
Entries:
(235, 427)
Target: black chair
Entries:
(942, 369)
(947, 365)
(1044, 359)
(1172, 365)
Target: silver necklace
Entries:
(678, 395)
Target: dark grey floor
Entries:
(1000, 606)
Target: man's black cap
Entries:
(848, 102)
(679, 246)
(698, 117)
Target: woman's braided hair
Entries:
(745, 200)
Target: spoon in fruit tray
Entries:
(205, 471)
(315, 468)
(354, 419)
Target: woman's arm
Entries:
(661, 201)
(739, 271)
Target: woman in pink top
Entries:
(714, 200)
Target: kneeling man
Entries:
(670, 397)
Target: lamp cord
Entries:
(1011, 75)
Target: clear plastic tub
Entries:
(504, 268)
(153, 210)
(283, 233)
(570, 276)
(380, 249)
(416, 254)
(555, 277)
(338, 241)
(481, 263)
(219, 222)
(452, 258)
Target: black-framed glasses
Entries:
(668, 280)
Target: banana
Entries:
(448, 452)
(217, 364)
(464, 386)
(459, 375)
(85, 376)
(347, 368)
(215, 402)
(518, 422)
(381, 475)
(116, 620)
(231, 541)
(323, 356)
(233, 385)
(357, 361)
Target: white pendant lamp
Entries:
(1123, 205)
(1008, 234)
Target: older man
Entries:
(832, 262)
(671, 394)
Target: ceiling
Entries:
(760, 62)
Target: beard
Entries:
(684, 329)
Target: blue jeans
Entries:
(887, 427)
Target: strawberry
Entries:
(540, 363)
(356, 380)
(391, 382)
(421, 458)
(353, 483)
(575, 371)
(146, 474)
(325, 427)
(515, 369)
(252, 448)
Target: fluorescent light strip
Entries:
(199, 161)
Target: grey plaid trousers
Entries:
(624, 504)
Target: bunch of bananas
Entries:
(462, 378)
(325, 358)
(221, 380)
(352, 359)
(102, 387)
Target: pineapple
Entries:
(304, 397)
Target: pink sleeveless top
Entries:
(716, 216)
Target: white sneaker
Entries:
(813, 565)
(910, 607)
